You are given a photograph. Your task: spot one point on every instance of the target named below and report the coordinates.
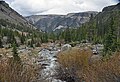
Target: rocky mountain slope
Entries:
(112, 8)
(108, 14)
(10, 15)
(53, 22)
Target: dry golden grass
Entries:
(15, 72)
(27, 71)
(5, 51)
(105, 70)
(79, 62)
(74, 57)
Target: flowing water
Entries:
(49, 63)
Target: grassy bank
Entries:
(11, 71)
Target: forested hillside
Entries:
(14, 28)
(104, 28)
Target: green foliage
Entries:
(32, 42)
(44, 38)
(52, 36)
(22, 38)
(1, 45)
(15, 54)
(110, 43)
(21, 33)
(67, 35)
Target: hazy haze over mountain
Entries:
(42, 7)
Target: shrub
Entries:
(11, 71)
(76, 67)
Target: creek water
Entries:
(48, 61)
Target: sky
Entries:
(62, 7)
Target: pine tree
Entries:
(67, 35)
(14, 48)
(44, 38)
(32, 42)
(1, 45)
(110, 42)
(22, 38)
(15, 54)
(52, 36)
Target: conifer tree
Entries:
(67, 35)
(22, 38)
(52, 36)
(1, 45)
(15, 54)
(110, 42)
(32, 42)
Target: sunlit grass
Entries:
(15, 72)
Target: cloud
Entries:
(30, 7)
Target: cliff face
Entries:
(51, 22)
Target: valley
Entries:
(77, 47)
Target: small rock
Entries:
(66, 47)
(1, 55)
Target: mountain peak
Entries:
(112, 8)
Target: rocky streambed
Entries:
(48, 61)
